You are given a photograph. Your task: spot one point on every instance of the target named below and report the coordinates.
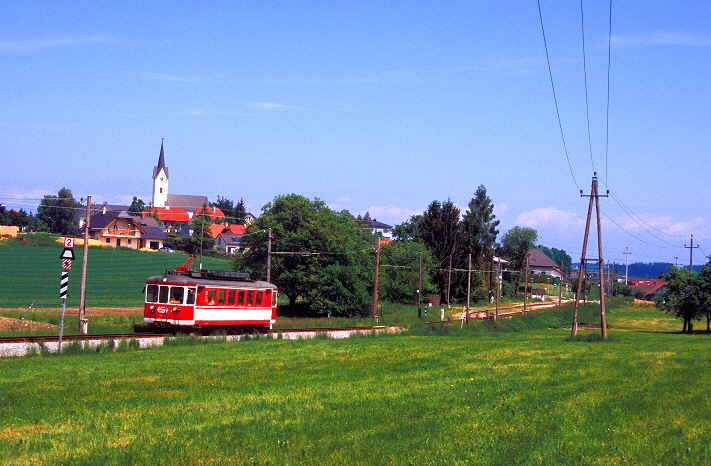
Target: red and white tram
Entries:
(209, 299)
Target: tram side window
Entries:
(258, 299)
(250, 298)
(163, 294)
(211, 297)
(231, 298)
(151, 293)
(221, 297)
(240, 298)
(176, 295)
(191, 296)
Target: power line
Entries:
(555, 99)
(585, 76)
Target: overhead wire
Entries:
(585, 75)
(555, 99)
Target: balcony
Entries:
(131, 233)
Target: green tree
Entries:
(681, 297)
(703, 279)
(240, 212)
(321, 256)
(515, 245)
(400, 274)
(57, 212)
(441, 232)
(136, 207)
(227, 207)
(560, 257)
(408, 230)
(202, 233)
(479, 227)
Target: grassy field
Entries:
(115, 276)
(485, 397)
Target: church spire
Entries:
(160, 180)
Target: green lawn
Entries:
(482, 397)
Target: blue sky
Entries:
(372, 106)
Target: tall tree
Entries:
(681, 296)
(57, 212)
(227, 207)
(400, 274)
(240, 212)
(136, 207)
(514, 247)
(409, 230)
(479, 226)
(560, 257)
(441, 232)
(320, 256)
(703, 280)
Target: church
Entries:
(174, 209)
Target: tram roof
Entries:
(185, 279)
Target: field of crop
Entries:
(115, 276)
(485, 397)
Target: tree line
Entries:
(325, 260)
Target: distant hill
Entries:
(639, 269)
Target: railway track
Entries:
(20, 345)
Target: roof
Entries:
(214, 213)
(151, 228)
(101, 219)
(379, 225)
(167, 214)
(229, 239)
(186, 202)
(540, 259)
(236, 228)
(216, 229)
(648, 285)
(161, 163)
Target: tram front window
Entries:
(176, 295)
(191, 296)
(163, 294)
(151, 293)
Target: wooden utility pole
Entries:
(691, 253)
(419, 292)
(269, 256)
(375, 292)
(525, 286)
(627, 266)
(84, 261)
(469, 286)
(449, 280)
(594, 197)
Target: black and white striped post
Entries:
(67, 257)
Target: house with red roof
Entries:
(650, 286)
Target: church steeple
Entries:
(160, 180)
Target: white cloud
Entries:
(269, 106)
(550, 217)
(55, 42)
(662, 38)
(172, 77)
(391, 214)
(500, 209)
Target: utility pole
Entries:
(84, 261)
(469, 287)
(627, 254)
(677, 260)
(419, 293)
(594, 197)
(449, 280)
(691, 253)
(269, 256)
(375, 292)
(525, 288)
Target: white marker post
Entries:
(67, 257)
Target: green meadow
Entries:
(490, 395)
